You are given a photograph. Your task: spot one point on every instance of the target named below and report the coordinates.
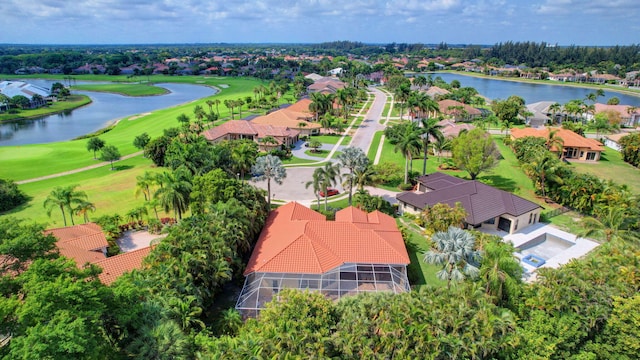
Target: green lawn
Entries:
(111, 191)
(321, 154)
(123, 89)
(72, 102)
(611, 167)
(421, 272)
(375, 142)
(331, 139)
(18, 162)
(297, 161)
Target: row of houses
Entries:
(282, 127)
(15, 88)
(542, 114)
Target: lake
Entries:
(104, 110)
(532, 93)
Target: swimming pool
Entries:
(545, 246)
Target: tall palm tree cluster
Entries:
(410, 138)
(69, 201)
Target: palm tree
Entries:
(327, 121)
(553, 140)
(612, 223)
(420, 81)
(217, 103)
(500, 271)
(408, 142)
(329, 176)
(210, 105)
(363, 177)
(243, 156)
(83, 209)
(554, 109)
(316, 184)
(239, 104)
(269, 168)
(542, 167)
(144, 184)
(441, 145)
(401, 95)
(352, 158)
(64, 198)
(174, 191)
(454, 251)
(430, 128)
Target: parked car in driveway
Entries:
(330, 192)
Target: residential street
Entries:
(293, 186)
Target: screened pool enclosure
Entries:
(347, 279)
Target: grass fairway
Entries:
(611, 167)
(123, 89)
(30, 161)
(111, 191)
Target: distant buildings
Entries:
(15, 88)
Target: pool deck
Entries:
(580, 248)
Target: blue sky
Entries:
(566, 22)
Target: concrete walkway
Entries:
(75, 171)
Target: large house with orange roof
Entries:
(299, 249)
(629, 115)
(458, 111)
(296, 116)
(244, 129)
(574, 146)
(86, 244)
(326, 85)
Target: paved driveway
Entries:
(293, 186)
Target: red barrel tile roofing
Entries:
(297, 239)
(84, 244)
(569, 138)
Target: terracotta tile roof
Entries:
(84, 243)
(115, 266)
(297, 239)
(85, 236)
(248, 128)
(569, 138)
(451, 129)
(434, 90)
(445, 107)
(620, 109)
(482, 202)
(290, 116)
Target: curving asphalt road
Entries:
(293, 186)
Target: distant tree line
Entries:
(614, 59)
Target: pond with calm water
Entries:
(104, 110)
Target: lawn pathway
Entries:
(75, 171)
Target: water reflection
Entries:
(104, 110)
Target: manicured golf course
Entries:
(111, 191)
